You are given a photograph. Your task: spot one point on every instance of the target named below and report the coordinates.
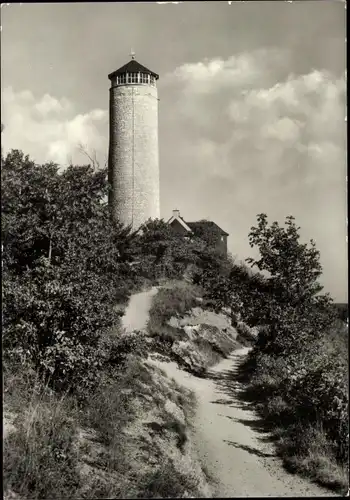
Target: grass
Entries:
(48, 455)
(306, 450)
(41, 456)
(185, 399)
(211, 353)
(301, 442)
(171, 424)
(167, 482)
(166, 332)
(109, 410)
(65, 447)
(176, 300)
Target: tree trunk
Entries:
(50, 249)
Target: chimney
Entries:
(176, 213)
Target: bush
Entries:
(245, 335)
(175, 301)
(64, 267)
(306, 450)
(297, 371)
(54, 323)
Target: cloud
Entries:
(238, 136)
(249, 137)
(50, 129)
(240, 71)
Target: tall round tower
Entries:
(133, 144)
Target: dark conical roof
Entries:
(132, 67)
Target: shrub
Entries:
(64, 267)
(245, 335)
(55, 324)
(175, 301)
(307, 450)
(298, 368)
(108, 410)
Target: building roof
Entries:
(206, 224)
(181, 221)
(192, 226)
(132, 67)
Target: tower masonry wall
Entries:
(133, 153)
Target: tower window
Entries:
(121, 79)
(135, 78)
(128, 78)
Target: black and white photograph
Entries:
(174, 250)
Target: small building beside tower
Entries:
(185, 229)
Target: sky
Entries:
(252, 110)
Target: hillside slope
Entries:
(131, 437)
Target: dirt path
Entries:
(136, 313)
(229, 439)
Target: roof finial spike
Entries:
(132, 53)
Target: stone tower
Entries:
(133, 144)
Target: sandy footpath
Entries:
(227, 434)
(228, 440)
(136, 313)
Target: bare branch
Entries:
(70, 159)
(84, 150)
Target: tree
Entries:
(83, 149)
(299, 358)
(65, 266)
(293, 268)
(207, 231)
(288, 301)
(155, 238)
(164, 254)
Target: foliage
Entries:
(297, 324)
(58, 448)
(206, 231)
(293, 267)
(66, 264)
(157, 484)
(343, 311)
(174, 301)
(64, 267)
(298, 367)
(160, 253)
